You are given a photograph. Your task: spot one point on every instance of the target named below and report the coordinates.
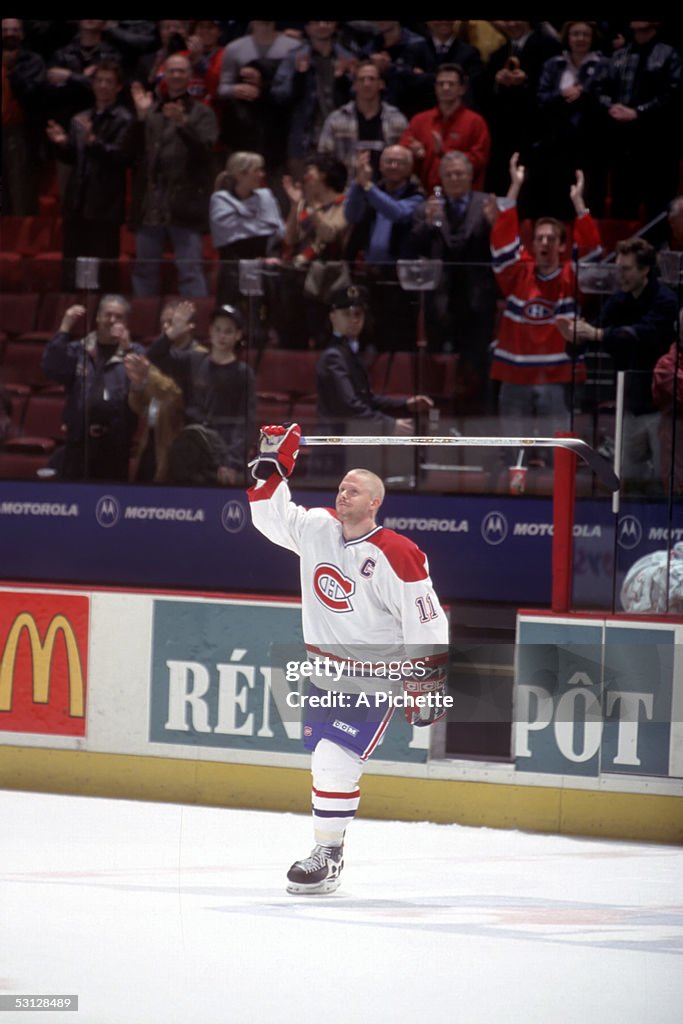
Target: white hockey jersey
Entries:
(366, 602)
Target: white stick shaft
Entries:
(469, 442)
(597, 463)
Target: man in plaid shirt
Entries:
(366, 123)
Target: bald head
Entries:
(396, 164)
(373, 483)
(359, 497)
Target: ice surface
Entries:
(163, 914)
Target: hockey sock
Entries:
(336, 774)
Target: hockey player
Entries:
(373, 629)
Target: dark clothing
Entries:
(512, 115)
(399, 79)
(424, 55)
(27, 80)
(172, 181)
(637, 332)
(573, 137)
(345, 402)
(95, 195)
(310, 95)
(100, 425)
(347, 405)
(23, 124)
(645, 153)
(76, 93)
(221, 397)
(460, 313)
(132, 39)
(96, 189)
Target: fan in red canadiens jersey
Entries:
(530, 358)
(376, 637)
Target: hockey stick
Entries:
(596, 462)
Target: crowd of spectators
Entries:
(329, 151)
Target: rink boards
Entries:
(178, 697)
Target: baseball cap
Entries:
(230, 311)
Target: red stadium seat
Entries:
(274, 380)
(36, 235)
(18, 312)
(44, 415)
(21, 465)
(10, 230)
(378, 372)
(11, 271)
(613, 231)
(271, 411)
(400, 375)
(144, 317)
(51, 308)
(18, 395)
(21, 363)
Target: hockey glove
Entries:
(278, 451)
(429, 685)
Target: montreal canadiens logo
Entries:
(332, 588)
(538, 310)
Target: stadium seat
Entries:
(51, 308)
(378, 372)
(10, 229)
(438, 376)
(22, 465)
(11, 271)
(21, 364)
(306, 415)
(303, 363)
(18, 395)
(271, 411)
(144, 317)
(613, 231)
(35, 235)
(43, 416)
(18, 312)
(401, 377)
(274, 376)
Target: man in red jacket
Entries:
(448, 125)
(530, 356)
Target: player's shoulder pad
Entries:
(403, 555)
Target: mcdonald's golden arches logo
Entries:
(43, 665)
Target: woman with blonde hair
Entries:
(245, 219)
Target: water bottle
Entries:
(438, 194)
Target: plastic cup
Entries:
(517, 479)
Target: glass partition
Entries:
(427, 329)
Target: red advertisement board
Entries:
(43, 663)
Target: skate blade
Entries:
(321, 889)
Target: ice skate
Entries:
(318, 874)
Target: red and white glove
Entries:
(429, 684)
(278, 451)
